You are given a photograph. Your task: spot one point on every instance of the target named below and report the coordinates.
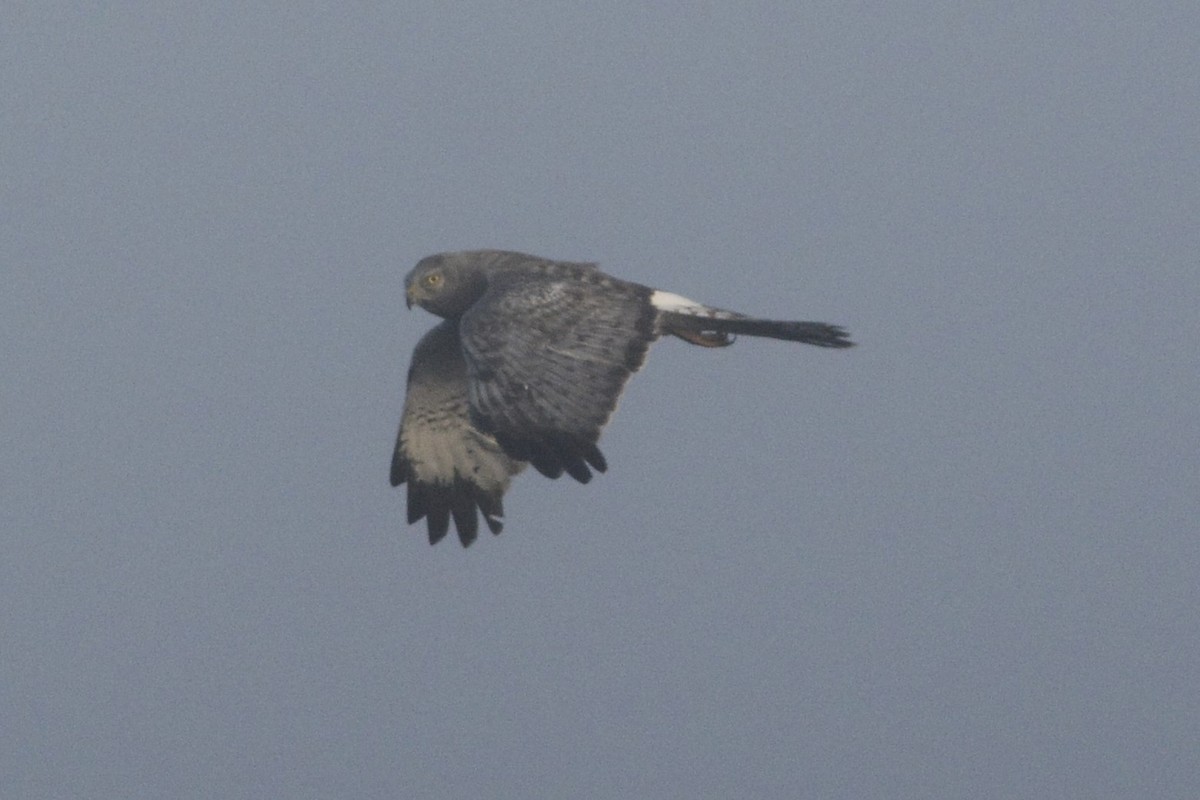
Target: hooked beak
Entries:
(408, 296)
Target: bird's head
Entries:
(446, 284)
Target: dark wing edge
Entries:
(554, 452)
(460, 501)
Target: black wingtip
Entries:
(399, 471)
(438, 524)
(578, 470)
(551, 468)
(552, 454)
(462, 507)
(594, 457)
(460, 503)
(492, 509)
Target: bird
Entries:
(526, 368)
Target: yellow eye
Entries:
(433, 280)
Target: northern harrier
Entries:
(526, 367)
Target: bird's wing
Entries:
(548, 351)
(451, 468)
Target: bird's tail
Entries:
(712, 327)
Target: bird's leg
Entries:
(704, 338)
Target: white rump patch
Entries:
(665, 301)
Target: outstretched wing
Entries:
(451, 468)
(549, 349)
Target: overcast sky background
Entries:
(960, 560)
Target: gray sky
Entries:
(959, 560)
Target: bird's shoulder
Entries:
(521, 269)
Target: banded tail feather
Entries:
(719, 331)
(714, 327)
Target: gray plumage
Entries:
(527, 367)
(450, 467)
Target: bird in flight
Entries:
(526, 367)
